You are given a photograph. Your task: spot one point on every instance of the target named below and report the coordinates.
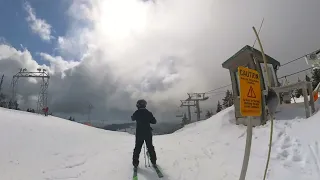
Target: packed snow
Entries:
(34, 147)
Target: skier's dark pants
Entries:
(140, 139)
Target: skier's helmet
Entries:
(141, 103)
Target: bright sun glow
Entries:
(118, 19)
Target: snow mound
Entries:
(36, 147)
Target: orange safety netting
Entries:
(87, 123)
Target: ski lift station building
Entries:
(251, 58)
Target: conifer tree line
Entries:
(227, 101)
(6, 102)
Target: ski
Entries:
(159, 173)
(135, 174)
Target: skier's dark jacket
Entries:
(144, 118)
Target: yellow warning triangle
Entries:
(251, 93)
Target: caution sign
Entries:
(250, 92)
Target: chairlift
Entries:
(313, 59)
(179, 114)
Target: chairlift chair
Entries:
(179, 114)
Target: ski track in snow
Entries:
(71, 162)
(287, 148)
(315, 154)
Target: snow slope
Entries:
(34, 147)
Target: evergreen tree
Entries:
(219, 107)
(308, 79)
(298, 92)
(71, 118)
(315, 77)
(184, 119)
(225, 100)
(228, 99)
(231, 102)
(209, 114)
(16, 105)
(10, 104)
(2, 97)
(3, 100)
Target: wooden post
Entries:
(247, 150)
(198, 110)
(306, 102)
(189, 114)
(313, 109)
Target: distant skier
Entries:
(45, 111)
(143, 117)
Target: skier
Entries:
(45, 111)
(143, 117)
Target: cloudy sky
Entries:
(110, 53)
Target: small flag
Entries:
(315, 96)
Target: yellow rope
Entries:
(271, 117)
(269, 152)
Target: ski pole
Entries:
(144, 149)
(148, 155)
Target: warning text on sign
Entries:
(250, 92)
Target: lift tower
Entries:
(197, 97)
(44, 83)
(186, 103)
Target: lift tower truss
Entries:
(186, 103)
(196, 97)
(44, 84)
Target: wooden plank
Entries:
(313, 109)
(306, 102)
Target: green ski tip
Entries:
(135, 174)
